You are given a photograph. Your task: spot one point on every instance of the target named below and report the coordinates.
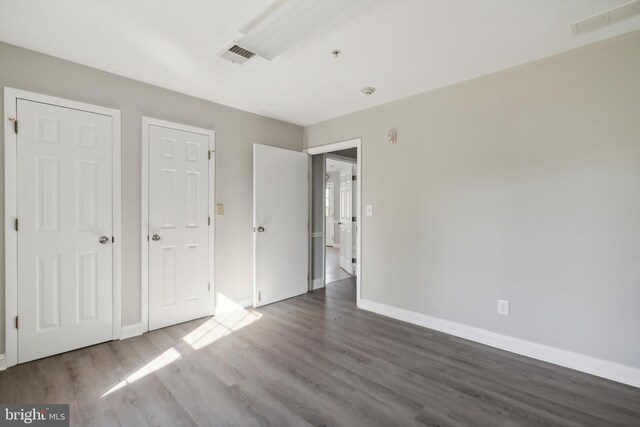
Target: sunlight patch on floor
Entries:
(219, 327)
(159, 362)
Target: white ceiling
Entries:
(333, 165)
(402, 47)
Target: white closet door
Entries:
(65, 250)
(178, 226)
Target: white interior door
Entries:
(65, 252)
(178, 226)
(281, 224)
(329, 201)
(346, 220)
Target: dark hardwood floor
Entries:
(317, 360)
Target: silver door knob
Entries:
(260, 229)
(155, 238)
(104, 240)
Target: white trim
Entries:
(318, 284)
(336, 146)
(3, 365)
(230, 306)
(342, 159)
(352, 143)
(11, 97)
(580, 362)
(144, 255)
(245, 302)
(130, 331)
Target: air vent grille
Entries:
(609, 17)
(242, 52)
(236, 54)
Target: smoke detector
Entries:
(368, 90)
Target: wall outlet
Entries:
(220, 209)
(503, 307)
(369, 210)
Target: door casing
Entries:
(11, 97)
(328, 148)
(144, 256)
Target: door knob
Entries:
(260, 229)
(155, 237)
(104, 240)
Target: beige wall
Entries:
(236, 131)
(523, 185)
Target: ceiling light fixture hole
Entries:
(368, 90)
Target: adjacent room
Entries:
(320, 212)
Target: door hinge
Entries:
(209, 154)
(17, 322)
(259, 296)
(113, 239)
(353, 260)
(353, 177)
(209, 220)
(15, 124)
(17, 224)
(353, 219)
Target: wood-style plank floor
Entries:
(333, 272)
(313, 360)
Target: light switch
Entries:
(220, 209)
(369, 210)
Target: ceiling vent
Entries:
(236, 54)
(611, 16)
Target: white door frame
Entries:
(11, 97)
(357, 144)
(144, 237)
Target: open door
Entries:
(347, 240)
(280, 224)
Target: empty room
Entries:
(320, 213)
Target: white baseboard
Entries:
(3, 364)
(317, 284)
(245, 302)
(580, 362)
(227, 305)
(131, 331)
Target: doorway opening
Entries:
(335, 217)
(340, 219)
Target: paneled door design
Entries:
(346, 220)
(281, 224)
(64, 209)
(179, 259)
(329, 213)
